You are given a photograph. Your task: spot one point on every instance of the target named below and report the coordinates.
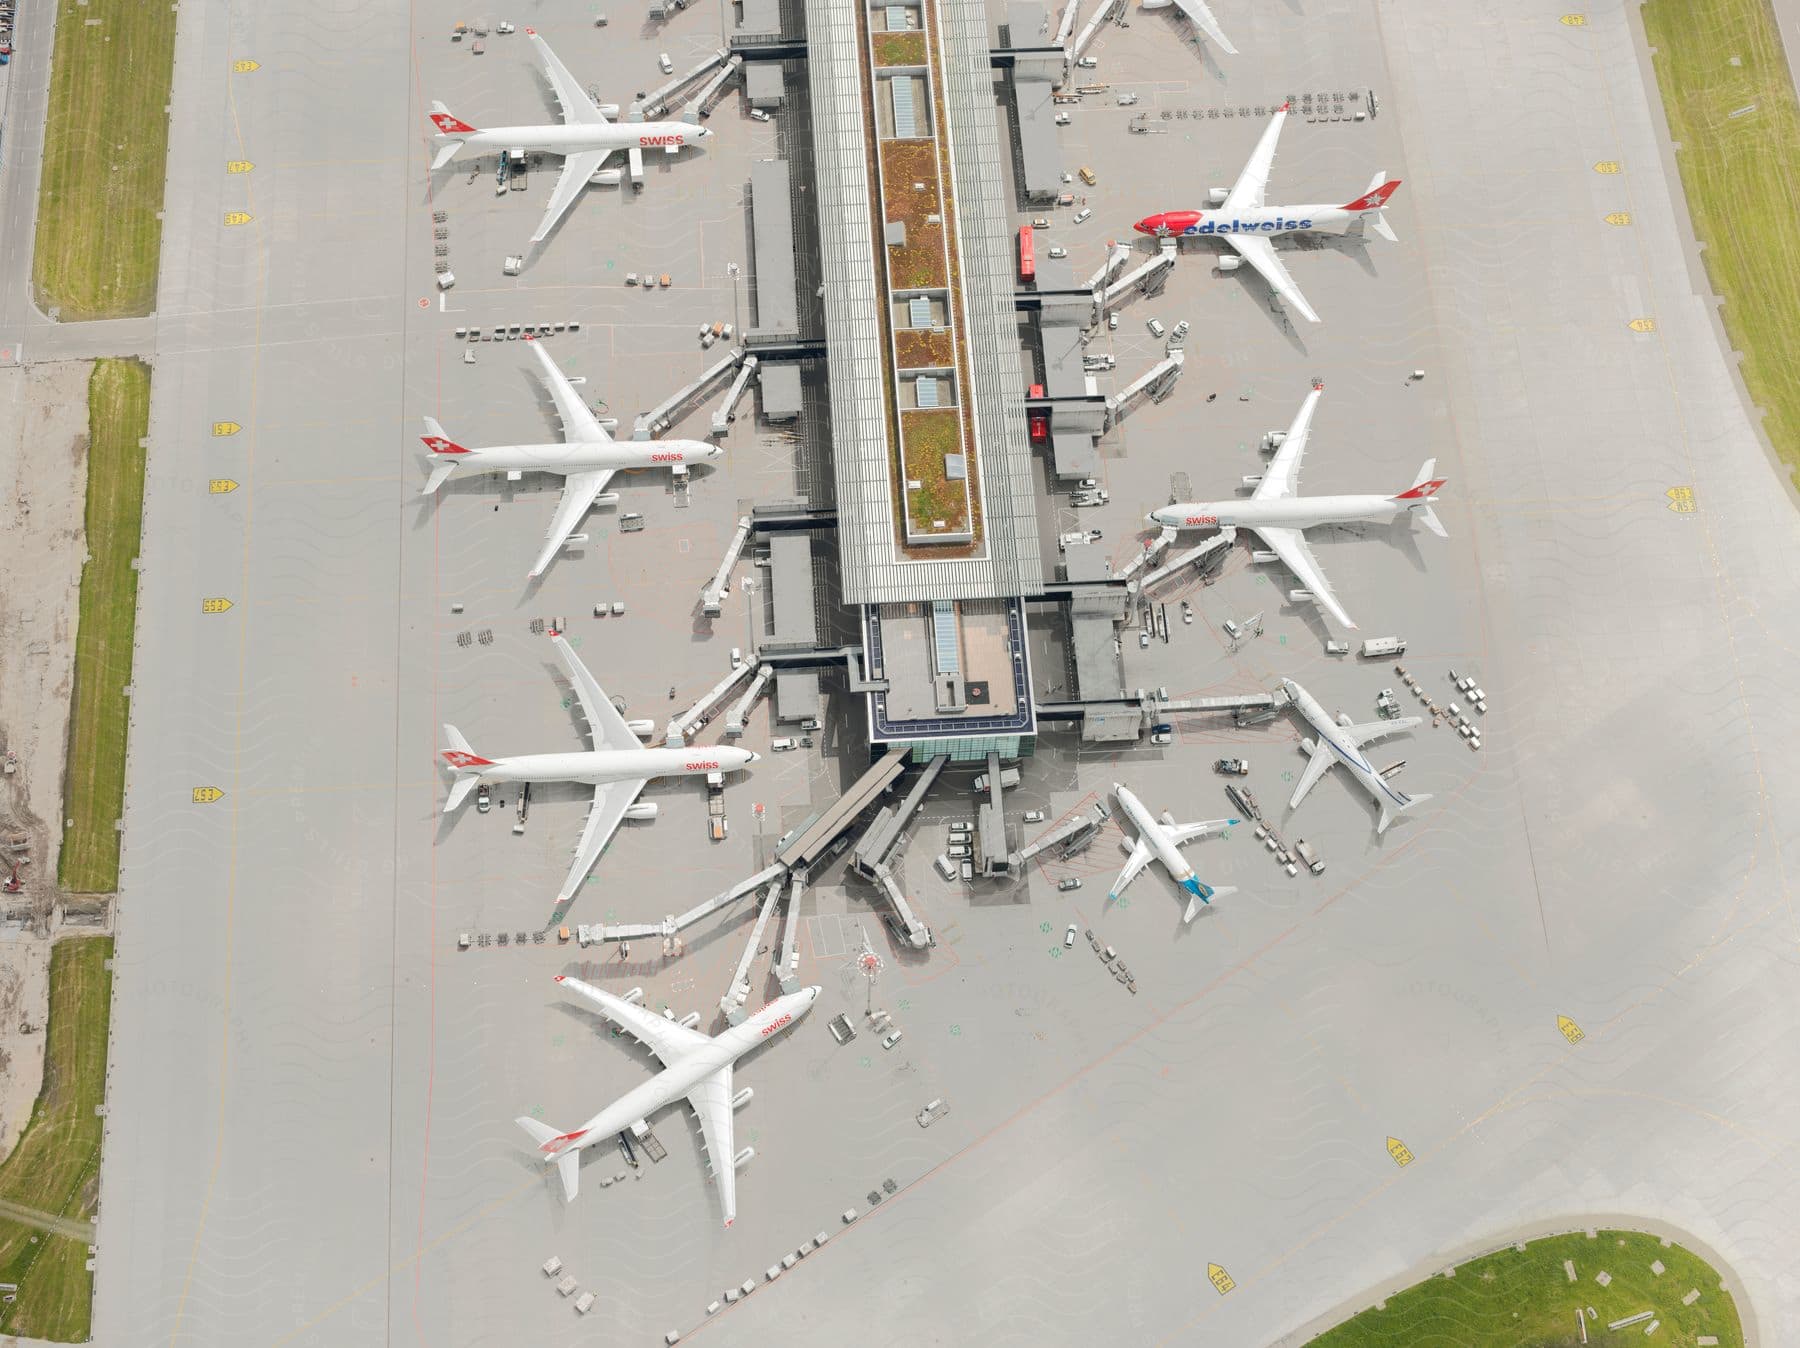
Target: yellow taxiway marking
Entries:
(1401, 1153)
(206, 795)
(226, 428)
(1619, 218)
(1219, 1278)
(218, 605)
(1681, 500)
(218, 486)
(1642, 325)
(1570, 1030)
(1608, 166)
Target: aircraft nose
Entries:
(1146, 226)
(754, 758)
(1153, 517)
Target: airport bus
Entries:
(1027, 254)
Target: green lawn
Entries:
(107, 138)
(1514, 1299)
(94, 778)
(1742, 178)
(55, 1168)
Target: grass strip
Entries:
(94, 779)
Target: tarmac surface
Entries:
(310, 1134)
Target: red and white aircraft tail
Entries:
(1421, 494)
(451, 132)
(465, 763)
(444, 455)
(558, 1147)
(1368, 208)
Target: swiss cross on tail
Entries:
(462, 758)
(449, 125)
(437, 444)
(1376, 198)
(1424, 491)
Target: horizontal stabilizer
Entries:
(568, 1165)
(1388, 813)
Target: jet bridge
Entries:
(714, 93)
(1114, 260)
(655, 103)
(712, 597)
(738, 994)
(1086, 36)
(685, 724)
(1149, 277)
(1066, 837)
(658, 419)
(670, 925)
(1208, 554)
(1067, 25)
(1156, 382)
(727, 410)
(734, 719)
(1147, 555)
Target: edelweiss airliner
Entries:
(694, 1064)
(586, 139)
(1340, 743)
(1247, 225)
(586, 460)
(618, 767)
(1280, 518)
(1161, 839)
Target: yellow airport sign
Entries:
(1570, 1030)
(1575, 20)
(1642, 325)
(214, 605)
(218, 486)
(226, 428)
(1219, 1278)
(1399, 1151)
(206, 795)
(1619, 218)
(244, 67)
(1608, 166)
(1681, 500)
(238, 166)
(238, 217)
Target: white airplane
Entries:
(1243, 221)
(586, 460)
(694, 1064)
(586, 138)
(1280, 518)
(1162, 839)
(1200, 16)
(617, 767)
(1341, 742)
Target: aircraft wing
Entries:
(1315, 768)
(576, 170)
(667, 1039)
(711, 1103)
(1247, 193)
(605, 726)
(1181, 833)
(577, 108)
(1140, 858)
(1282, 477)
(610, 803)
(578, 423)
(579, 491)
(1260, 253)
(1202, 18)
(1290, 546)
(1370, 731)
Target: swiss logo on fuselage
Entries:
(661, 140)
(703, 765)
(775, 1025)
(1202, 519)
(668, 456)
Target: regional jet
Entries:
(618, 766)
(586, 460)
(694, 1064)
(1341, 742)
(1161, 839)
(1280, 518)
(1246, 224)
(586, 138)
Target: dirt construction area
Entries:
(43, 483)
